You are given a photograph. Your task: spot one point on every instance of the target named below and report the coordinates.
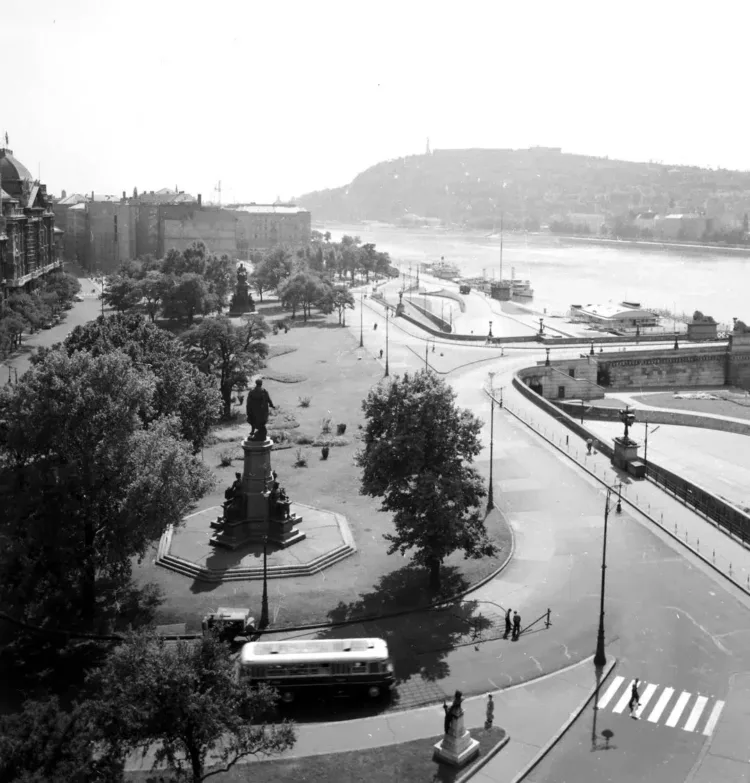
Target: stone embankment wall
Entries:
(687, 366)
(560, 379)
(642, 415)
(728, 516)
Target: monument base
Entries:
(456, 752)
(625, 452)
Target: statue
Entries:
(280, 503)
(242, 301)
(453, 712)
(627, 417)
(232, 497)
(258, 403)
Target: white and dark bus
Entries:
(338, 666)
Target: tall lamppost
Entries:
(361, 318)
(264, 600)
(490, 493)
(386, 342)
(600, 659)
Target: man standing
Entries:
(634, 702)
(507, 623)
(516, 626)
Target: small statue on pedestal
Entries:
(280, 503)
(452, 713)
(232, 498)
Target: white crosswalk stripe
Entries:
(661, 705)
(686, 713)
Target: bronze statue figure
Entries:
(258, 404)
(453, 712)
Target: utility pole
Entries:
(361, 318)
(490, 492)
(386, 341)
(264, 600)
(600, 659)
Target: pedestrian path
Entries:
(663, 705)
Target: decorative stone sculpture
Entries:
(258, 404)
(457, 746)
(242, 301)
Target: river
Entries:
(564, 273)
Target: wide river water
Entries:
(564, 273)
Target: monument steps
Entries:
(239, 573)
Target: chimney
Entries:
(92, 195)
(200, 200)
(123, 195)
(64, 195)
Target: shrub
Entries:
(340, 429)
(304, 402)
(300, 460)
(324, 452)
(225, 458)
(330, 440)
(325, 425)
(303, 440)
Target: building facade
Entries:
(102, 232)
(29, 240)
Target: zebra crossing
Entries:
(677, 716)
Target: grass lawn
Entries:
(734, 404)
(410, 762)
(323, 362)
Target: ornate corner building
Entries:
(29, 247)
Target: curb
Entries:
(493, 751)
(630, 503)
(573, 717)
(426, 608)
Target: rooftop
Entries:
(277, 209)
(614, 311)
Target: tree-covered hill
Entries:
(533, 186)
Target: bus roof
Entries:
(301, 650)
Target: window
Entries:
(572, 372)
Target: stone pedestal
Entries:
(457, 746)
(255, 521)
(625, 452)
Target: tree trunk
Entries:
(434, 574)
(226, 398)
(195, 763)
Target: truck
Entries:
(464, 289)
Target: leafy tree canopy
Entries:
(416, 458)
(186, 698)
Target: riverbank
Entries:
(653, 244)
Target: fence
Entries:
(731, 519)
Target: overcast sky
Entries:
(280, 98)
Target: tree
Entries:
(186, 698)
(188, 297)
(337, 298)
(122, 293)
(228, 353)
(303, 289)
(181, 388)
(43, 742)
(219, 273)
(417, 455)
(277, 264)
(88, 487)
(153, 288)
(28, 308)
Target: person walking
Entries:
(516, 626)
(507, 624)
(490, 717)
(589, 444)
(634, 702)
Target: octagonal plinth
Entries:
(187, 550)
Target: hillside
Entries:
(530, 186)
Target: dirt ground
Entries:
(323, 362)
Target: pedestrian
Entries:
(490, 712)
(516, 626)
(634, 702)
(589, 444)
(381, 353)
(374, 327)
(507, 623)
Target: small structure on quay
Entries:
(457, 747)
(256, 507)
(242, 301)
(625, 454)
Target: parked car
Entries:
(78, 298)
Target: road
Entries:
(670, 620)
(79, 314)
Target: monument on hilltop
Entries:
(242, 300)
(457, 746)
(256, 507)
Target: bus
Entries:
(334, 666)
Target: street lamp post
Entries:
(386, 342)
(361, 318)
(264, 600)
(600, 659)
(490, 493)
(645, 447)
(547, 360)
